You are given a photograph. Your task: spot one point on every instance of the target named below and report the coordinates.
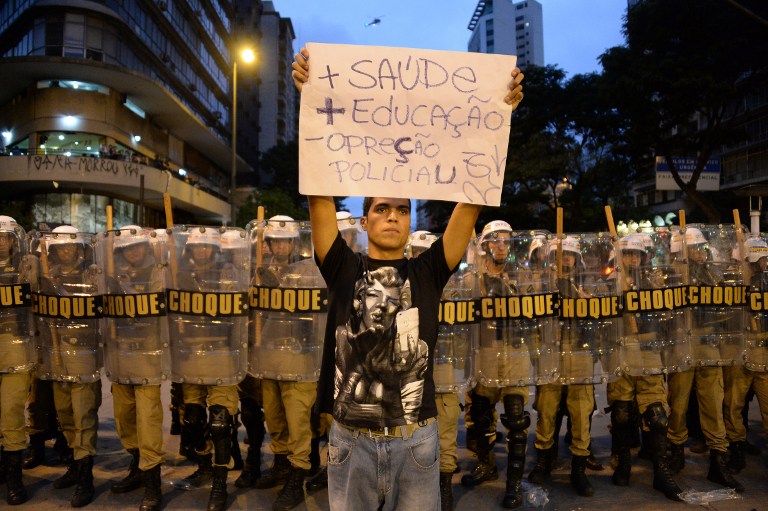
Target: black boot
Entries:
(278, 473)
(292, 494)
(253, 420)
(84, 491)
(35, 455)
(676, 457)
(200, 477)
(720, 473)
(177, 405)
(16, 493)
(543, 467)
(175, 421)
(446, 491)
(516, 420)
(646, 449)
(578, 478)
(621, 437)
(319, 482)
(69, 478)
(218, 498)
(133, 480)
(736, 461)
(485, 468)
(251, 468)
(656, 419)
(153, 490)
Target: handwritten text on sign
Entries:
(399, 122)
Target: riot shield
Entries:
(589, 314)
(67, 308)
(354, 235)
(717, 295)
(207, 293)
(654, 337)
(288, 300)
(755, 253)
(516, 343)
(17, 353)
(136, 349)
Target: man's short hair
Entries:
(368, 201)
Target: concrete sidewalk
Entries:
(112, 461)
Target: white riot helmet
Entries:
(204, 236)
(64, 235)
(492, 230)
(8, 223)
(232, 240)
(632, 242)
(281, 227)
(536, 244)
(129, 235)
(346, 222)
(422, 239)
(570, 244)
(756, 249)
(693, 236)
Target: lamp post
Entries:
(248, 56)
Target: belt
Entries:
(405, 431)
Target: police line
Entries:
(536, 306)
(315, 300)
(171, 301)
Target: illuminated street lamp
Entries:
(247, 55)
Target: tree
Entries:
(681, 80)
(281, 196)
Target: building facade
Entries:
(267, 105)
(507, 28)
(117, 102)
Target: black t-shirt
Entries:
(380, 336)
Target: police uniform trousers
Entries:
(645, 390)
(209, 395)
(287, 409)
(448, 411)
(709, 390)
(581, 403)
(737, 382)
(77, 405)
(14, 388)
(139, 421)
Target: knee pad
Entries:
(515, 418)
(481, 412)
(621, 413)
(220, 422)
(656, 418)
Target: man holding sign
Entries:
(376, 375)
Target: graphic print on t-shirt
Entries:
(380, 360)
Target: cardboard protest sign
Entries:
(400, 122)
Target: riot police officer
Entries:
(647, 390)
(16, 354)
(498, 335)
(708, 378)
(207, 354)
(285, 359)
(580, 398)
(71, 352)
(136, 358)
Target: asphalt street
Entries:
(112, 461)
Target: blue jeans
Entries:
(381, 473)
